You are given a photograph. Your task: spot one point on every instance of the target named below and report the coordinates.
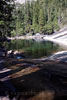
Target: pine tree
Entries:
(27, 17)
(41, 20)
(35, 21)
(6, 8)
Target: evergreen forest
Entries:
(40, 16)
(33, 16)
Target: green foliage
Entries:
(6, 9)
(13, 33)
(27, 28)
(35, 20)
(56, 26)
(48, 29)
(43, 16)
(41, 20)
(36, 29)
(1, 22)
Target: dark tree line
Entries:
(6, 8)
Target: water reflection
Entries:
(33, 49)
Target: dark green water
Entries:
(33, 49)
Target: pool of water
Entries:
(33, 49)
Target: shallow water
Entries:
(33, 49)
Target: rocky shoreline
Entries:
(26, 37)
(36, 79)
